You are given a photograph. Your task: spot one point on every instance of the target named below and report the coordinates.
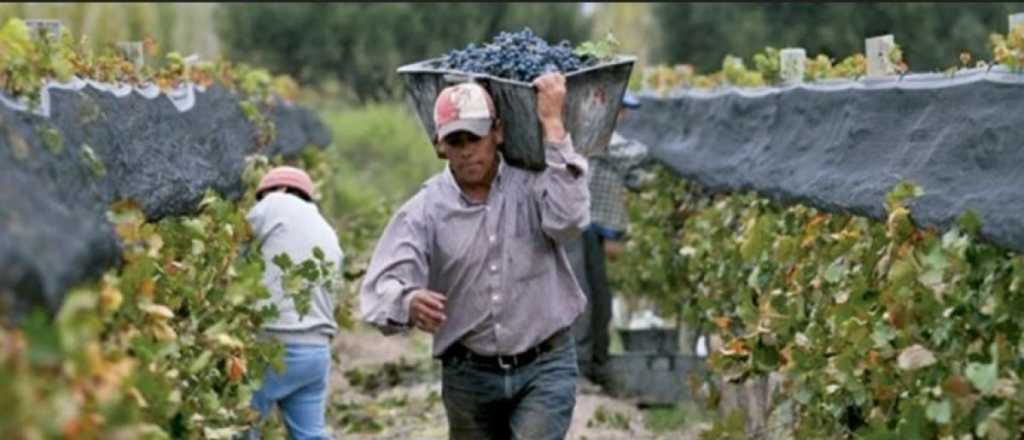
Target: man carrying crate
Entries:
(476, 258)
(611, 174)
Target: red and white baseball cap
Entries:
(286, 176)
(463, 107)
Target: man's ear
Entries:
(499, 132)
(439, 148)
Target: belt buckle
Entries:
(503, 365)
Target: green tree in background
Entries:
(932, 35)
(631, 24)
(361, 45)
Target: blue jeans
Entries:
(300, 392)
(532, 402)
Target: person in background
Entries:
(611, 174)
(475, 258)
(285, 220)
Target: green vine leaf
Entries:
(983, 376)
(603, 50)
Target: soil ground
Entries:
(388, 387)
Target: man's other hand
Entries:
(613, 249)
(427, 310)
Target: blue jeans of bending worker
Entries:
(300, 392)
(532, 402)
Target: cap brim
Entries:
(479, 127)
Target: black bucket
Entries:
(593, 98)
(650, 340)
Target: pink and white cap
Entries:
(289, 177)
(463, 107)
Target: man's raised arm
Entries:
(561, 190)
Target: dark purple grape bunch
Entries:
(520, 56)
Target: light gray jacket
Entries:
(284, 223)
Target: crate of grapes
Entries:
(506, 67)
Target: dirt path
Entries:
(389, 388)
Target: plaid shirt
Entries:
(607, 189)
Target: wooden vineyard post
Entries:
(791, 64)
(877, 50)
(133, 52)
(1016, 20)
(43, 26)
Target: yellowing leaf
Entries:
(228, 341)
(803, 341)
(843, 297)
(915, 357)
(221, 433)
(174, 267)
(874, 359)
(128, 231)
(236, 368)
(156, 242)
(1005, 388)
(110, 298)
(957, 386)
(735, 348)
(148, 288)
(157, 311)
(78, 427)
(164, 332)
(18, 144)
(198, 248)
(137, 397)
(817, 220)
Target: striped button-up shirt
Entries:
(500, 263)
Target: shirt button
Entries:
(492, 238)
(497, 326)
(496, 297)
(494, 268)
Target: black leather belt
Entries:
(508, 362)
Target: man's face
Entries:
(472, 158)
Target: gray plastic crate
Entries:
(652, 379)
(593, 98)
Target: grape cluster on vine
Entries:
(520, 56)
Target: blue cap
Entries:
(630, 101)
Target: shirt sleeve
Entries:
(608, 233)
(399, 265)
(562, 193)
(262, 222)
